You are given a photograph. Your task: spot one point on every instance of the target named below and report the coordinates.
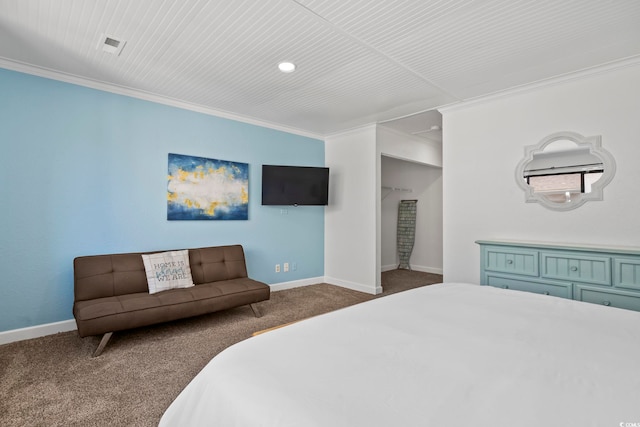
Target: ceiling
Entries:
(358, 61)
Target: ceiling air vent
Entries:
(110, 44)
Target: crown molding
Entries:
(146, 96)
(553, 81)
(355, 130)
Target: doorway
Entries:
(402, 179)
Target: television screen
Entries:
(295, 185)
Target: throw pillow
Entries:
(167, 270)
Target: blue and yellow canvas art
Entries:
(200, 188)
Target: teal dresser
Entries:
(600, 275)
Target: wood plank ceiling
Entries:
(359, 61)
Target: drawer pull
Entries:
(607, 303)
(509, 261)
(546, 292)
(574, 268)
(506, 286)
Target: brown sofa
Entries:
(111, 291)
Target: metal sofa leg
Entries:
(256, 312)
(105, 339)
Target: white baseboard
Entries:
(353, 285)
(330, 280)
(424, 269)
(421, 268)
(388, 267)
(37, 331)
(296, 283)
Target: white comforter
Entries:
(442, 355)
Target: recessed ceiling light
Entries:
(287, 67)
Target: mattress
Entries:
(442, 355)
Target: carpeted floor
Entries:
(54, 381)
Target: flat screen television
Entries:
(295, 185)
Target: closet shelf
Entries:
(392, 189)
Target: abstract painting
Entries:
(200, 188)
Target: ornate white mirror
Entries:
(565, 170)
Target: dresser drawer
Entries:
(620, 299)
(579, 268)
(557, 289)
(626, 273)
(508, 260)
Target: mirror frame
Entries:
(594, 143)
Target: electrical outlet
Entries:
(285, 266)
(294, 266)
(277, 268)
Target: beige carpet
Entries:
(53, 381)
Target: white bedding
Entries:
(442, 355)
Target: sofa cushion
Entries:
(121, 312)
(167, 270)
(98, 276)
(217, 263)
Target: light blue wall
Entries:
(85, 172)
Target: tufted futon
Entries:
(111, 291)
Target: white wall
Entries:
(350, 218)
(353, 217)
(485, 141)
(425, 183)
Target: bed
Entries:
(441, 355)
